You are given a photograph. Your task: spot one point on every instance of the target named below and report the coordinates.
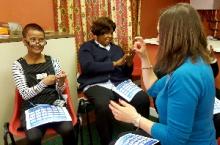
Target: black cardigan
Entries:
(97, 65)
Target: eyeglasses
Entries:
(36, 42)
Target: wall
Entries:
(41, 12)
(205, 4)
(150, 11)
(26, 11)
(63, 48)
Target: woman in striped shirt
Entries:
(40, 80)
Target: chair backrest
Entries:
(15, 123)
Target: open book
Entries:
(127, 89)
(134, 139)
(45, 113)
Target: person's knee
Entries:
(34, 137)
(142, 103)
(102, 108)
(66, 128)
(216, 119)
(141, 99)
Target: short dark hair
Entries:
(32, 26)
(102, 26)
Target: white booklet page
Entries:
(45, 113)
(216, 106)
(134, 139)
(127, 89)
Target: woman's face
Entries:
(105, 39)
(35, 41)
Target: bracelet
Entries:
(148, 67)
(137, 121)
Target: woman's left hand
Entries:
(123, 111)
(130, 56)
(212, 54)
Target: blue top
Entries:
(185, 101)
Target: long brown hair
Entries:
(181, 36)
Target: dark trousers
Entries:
(101, 98)
(216, 117)
(216, 120)
(65, 129)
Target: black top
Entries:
(97, 65)
(31, 71)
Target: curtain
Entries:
(76, 16)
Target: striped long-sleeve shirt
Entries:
(21, 83)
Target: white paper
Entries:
(216, 106)
(45, 113)
(134, 139)
(215, 45)
(4, 36)
(152, 41)
(127, 90)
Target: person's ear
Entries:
(25, 42)
(94, 37)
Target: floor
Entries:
(57, 140)
(118, 128)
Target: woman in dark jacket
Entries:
(104, 65)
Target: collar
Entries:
(102, 46)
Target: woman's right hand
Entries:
(212, 54)
(49, 80)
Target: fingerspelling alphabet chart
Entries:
(127, 89)
(45, 113)
(135, 139)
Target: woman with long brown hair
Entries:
(185, 96)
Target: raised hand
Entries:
(212, 55)
(121, 61)
(49, 80)
(140, 47)
(60, 79)
(130, 55)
